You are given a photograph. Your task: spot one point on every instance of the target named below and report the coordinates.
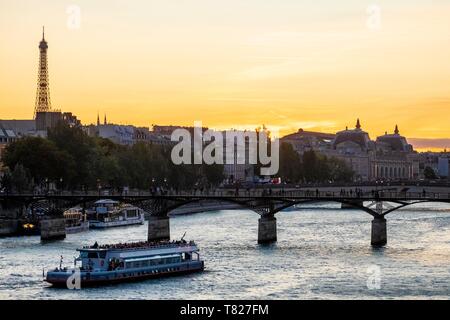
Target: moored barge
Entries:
(109, 213)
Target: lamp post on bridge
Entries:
(61, 185)
(153, 186)
(99, 187)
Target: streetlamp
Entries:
(152, 187)
(46, 185)
(165, 186)
(98, 186)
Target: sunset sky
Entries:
(289, 64)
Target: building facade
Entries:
(444, 165)
(303, 141)
(389, 157)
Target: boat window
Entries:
(186, 256)
(102, 254)
(131, 213)
(92, 255)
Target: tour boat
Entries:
(75, 221)
(107, 264)
(108, 213)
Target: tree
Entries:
(70, 156)
(213, 173)
(5, 180)
(290, 164)
(340, 171)
(310, 166)
(19, 179)
(429, 173)
(81, 148)
(41, 159)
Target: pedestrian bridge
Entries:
(377, 203)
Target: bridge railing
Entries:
(369, 195)
(304, 194)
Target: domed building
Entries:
(303, 141)
(393, 142)
(352, 141)
(394, 157)
(354, 147)
(389, 157)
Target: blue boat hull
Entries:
(89, 279)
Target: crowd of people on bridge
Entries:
(358, 193)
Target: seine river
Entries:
(321, 253)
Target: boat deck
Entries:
(144, 245)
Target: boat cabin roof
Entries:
(106, 201)
(137, 246)
(91, 250)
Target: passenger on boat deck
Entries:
(141, 244)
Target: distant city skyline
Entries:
(286, 66)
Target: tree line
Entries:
(312, 167)
(70, 159)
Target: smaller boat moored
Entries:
(109, 213)
(76, 221)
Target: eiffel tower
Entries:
(43, 87)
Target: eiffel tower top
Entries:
(43, 44)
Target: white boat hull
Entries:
(112, 224)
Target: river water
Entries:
(322, 252)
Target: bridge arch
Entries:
(402, 205)
(164, 207)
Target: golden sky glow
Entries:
(235, 64)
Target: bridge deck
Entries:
(321, 196)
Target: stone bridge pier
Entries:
(158, 228)
(379, 228)
(267, 229)
(53, 228)
(9, 218)
(379, 232)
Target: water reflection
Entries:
(321, 253)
